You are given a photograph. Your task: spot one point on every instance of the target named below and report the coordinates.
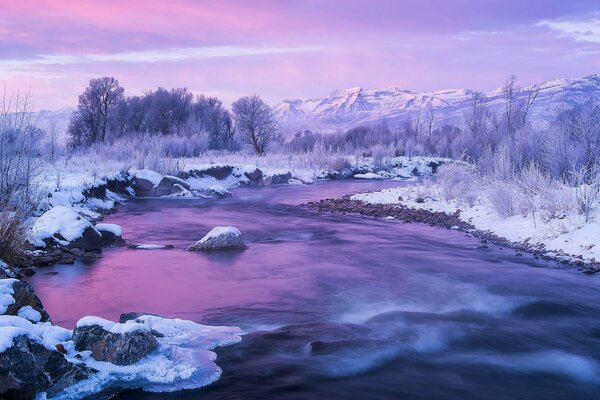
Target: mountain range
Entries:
(344, 109)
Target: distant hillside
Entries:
(344, 109)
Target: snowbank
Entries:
(569, 236)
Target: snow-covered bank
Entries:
(89, 190)
(567, 237)
(65, 224)
(39, 357)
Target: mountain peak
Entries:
(347, 108)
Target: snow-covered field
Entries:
(568, 234)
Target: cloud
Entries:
(153, 56)
(587, 30)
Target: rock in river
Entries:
(120, 344)
(111, 234)
(220, 238)
(62, 225)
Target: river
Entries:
(344, 307)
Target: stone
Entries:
(220, 238)
(254, 176)
(111, 235)
(118, 348)
(28, 367)
(170, 185)
(280, 179)
(25, 296)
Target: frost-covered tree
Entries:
(254, 120)
(90, 122)
(208, 115)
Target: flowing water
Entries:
(345, 307)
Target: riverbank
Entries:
(406, 205)
(91, 196)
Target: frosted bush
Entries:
(555, 202)
(457, 181)
(339, 164)
(504, 198)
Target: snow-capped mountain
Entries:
(344, 109)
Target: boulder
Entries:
(254, 176)
(280, 179)
(27, 367)
(219, 172)
(170, 185)
(144, 181)
(26, 299)
(220, 238)
(120, 344)
(131, 316)
(62, 225)
(111, 234)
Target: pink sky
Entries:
(291, 49)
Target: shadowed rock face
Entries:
(143, 187)
(28, 367)
(90, 240)
(25, 296)
(169, 185)
(117, 348)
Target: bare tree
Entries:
(532, 95)
(255, 121)
(510, 91)
(89, 123)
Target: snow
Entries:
(7, 335)
(6, 293)
(346, 109)
(42, 332)
(59, 220)
(368, 175)
(569, 235)
(183, 360)
(150, 246)
(148, 175)
(29, 314)
(220, 231)
(112, 228)
(127, 327)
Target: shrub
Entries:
(13, 234)
(457, 181)
(503, 197)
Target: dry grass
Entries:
(13, 235)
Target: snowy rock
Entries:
(111, 234)
(62, 225)
(28, 367)
(368, 175)
(219, 172)
(24, 300)
(279, 179)
(220, 238)
(144, 181)
(254, 176)
(169, 186)
(120, 344)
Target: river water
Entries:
(344, 307)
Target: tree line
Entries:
(104, 113)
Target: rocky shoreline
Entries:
(347, 205)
